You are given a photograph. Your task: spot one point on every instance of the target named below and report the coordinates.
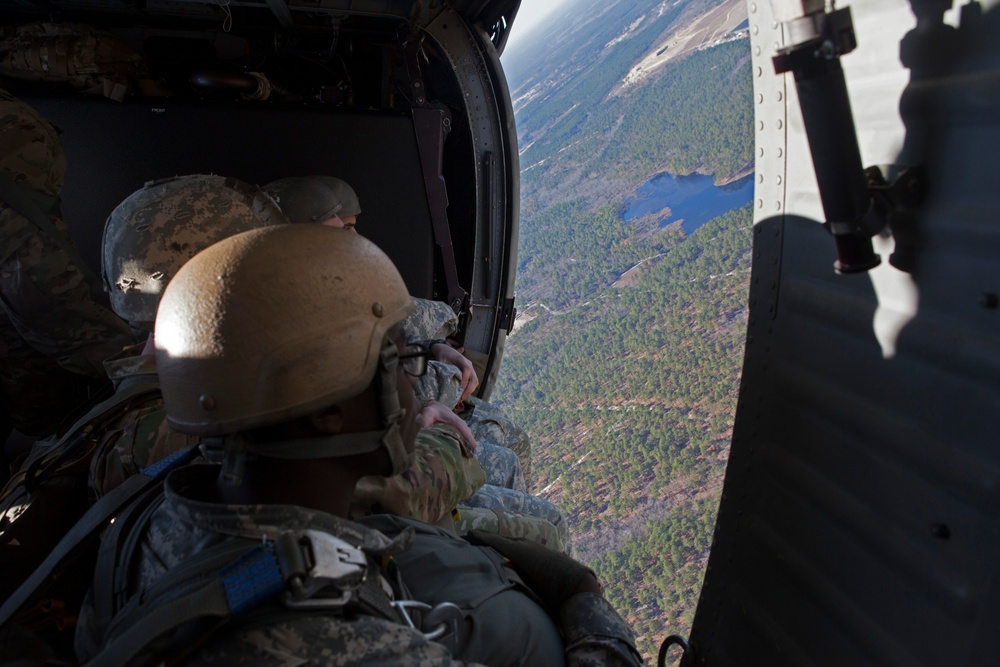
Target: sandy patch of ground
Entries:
(708, 29)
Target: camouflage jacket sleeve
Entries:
(595, 635)
(430, 320)
(438, 479)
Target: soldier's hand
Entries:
(450, 355)
(439, 413)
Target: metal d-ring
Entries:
(672, 640)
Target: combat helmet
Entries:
(159, 227)
(313, 198)
(275, 324)
(30, 152)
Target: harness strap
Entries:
(205, 602)
(430, 126)
(84, 531)
(259, 575)
(43, 462)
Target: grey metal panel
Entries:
(112, 149)
(859, 522)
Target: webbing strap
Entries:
(236, 589)
(252, 579)
(34, 470)
(82, 533)
(205, 602)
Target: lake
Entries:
(695, 199)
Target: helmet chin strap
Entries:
(240, 447)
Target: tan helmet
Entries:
(159, 227)
(30, 152)
(313, 198)
(278, 323)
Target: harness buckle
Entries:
(443, 623)
(330, 563)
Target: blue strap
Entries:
(253, 579)
(160, 469)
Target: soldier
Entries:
(56, 328)
(241, 331)
(147, 238)
(332, 202)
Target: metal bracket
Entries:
(328, 562)
(508, 313)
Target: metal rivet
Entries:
(781, 124)
(760, 178)
(753, 8)
(207, 402)
(760, 152)
(780, 96)
(756, 50)
(377, 309)
(755, 30)
(779, 180)
(760, 125)
(760, 98)
(777, 206)
(760, 203)
(760, 71)
(780, 152)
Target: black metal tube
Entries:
(843, 190)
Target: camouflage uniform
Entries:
(518, 502)
(49, 298)
(439, 478)
(507, 524)
(509, 627)
(489, 424)
(442, 383)
(141, 436)
(506, 487)
(430, 320)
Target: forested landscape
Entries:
(625, 366)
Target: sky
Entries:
(530, 13)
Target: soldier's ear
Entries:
(329, 420)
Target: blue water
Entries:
(695, 199)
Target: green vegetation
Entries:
(679, 122)
(629, 398)
(660, 570)
(627, 375)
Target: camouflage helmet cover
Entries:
(30, 152)
(159, 227)
(274, 324)
(313, 198)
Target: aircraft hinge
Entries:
(507, 314)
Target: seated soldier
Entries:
(147, 239)
(332, 202)
(55, 325)
(241, 332)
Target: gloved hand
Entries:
(552, 575)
